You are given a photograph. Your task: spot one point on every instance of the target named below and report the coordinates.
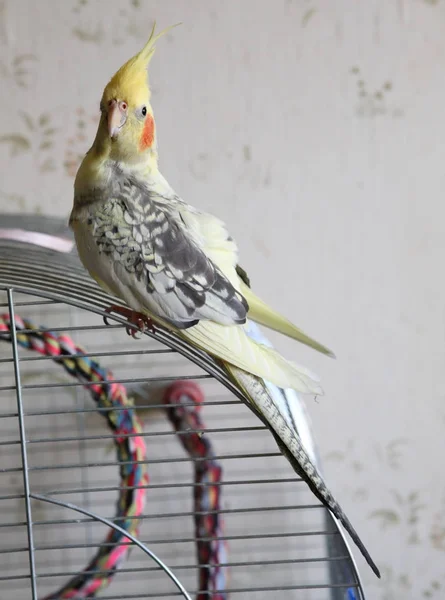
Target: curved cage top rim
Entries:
(170, 340)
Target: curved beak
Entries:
(117, 115)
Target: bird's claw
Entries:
(106, 321)
(134, 318)
(132, 332)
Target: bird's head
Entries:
(126, 132)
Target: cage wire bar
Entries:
(23, 450)
(299, 549)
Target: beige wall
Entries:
(314, 129)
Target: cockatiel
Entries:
(176, 266)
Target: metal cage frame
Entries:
(33, 269)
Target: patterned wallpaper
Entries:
(314, 129)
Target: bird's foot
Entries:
(137, 319)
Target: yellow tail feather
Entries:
(262, 314)
(232, 345)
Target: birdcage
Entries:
(207, 507)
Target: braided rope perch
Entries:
(183, 399)
(131, 451)
(211, 549)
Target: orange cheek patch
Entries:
(148, 133)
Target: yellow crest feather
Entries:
(146, 54)
(130, 82)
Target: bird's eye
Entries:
(144, 111)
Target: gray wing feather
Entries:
(145, 234)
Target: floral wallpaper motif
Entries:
(17, 68)
(20, 69)
(47, 123)
(89, 26)
(401, 514)
(373, 103)
(75, 145)
(37, 139)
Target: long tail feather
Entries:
(263, 405)
(263, 314)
